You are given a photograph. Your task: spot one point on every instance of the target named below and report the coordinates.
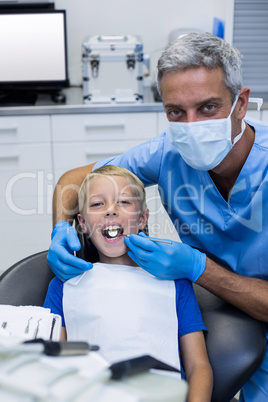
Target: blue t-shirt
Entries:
(188, 312)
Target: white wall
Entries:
(152, 20)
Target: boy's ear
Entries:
(144, 218)
(82, 223)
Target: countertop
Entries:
(74, 104)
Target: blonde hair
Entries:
(112, 170)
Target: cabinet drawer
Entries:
(72, 155)
(25, 169)
(92, 127)
(20, 157)
(24, 129)
(26, 223)
(22, 237)
(25, 211)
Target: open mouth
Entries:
(112, 232)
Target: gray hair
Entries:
(196, 50)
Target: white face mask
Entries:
(204, 144)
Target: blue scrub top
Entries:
(235, 231)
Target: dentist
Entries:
(211, 168)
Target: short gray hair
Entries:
(196, 50)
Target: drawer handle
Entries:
(7, 129)
(90, 126)
(9, 157)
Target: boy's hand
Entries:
(166, 261)
(60, 255)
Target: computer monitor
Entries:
(33, 50)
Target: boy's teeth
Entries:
(113, 231)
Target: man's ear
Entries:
(143, 219)
(242, 103)
(82, 223)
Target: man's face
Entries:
(195, 95)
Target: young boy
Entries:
(118, 305)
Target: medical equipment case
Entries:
(113, 69)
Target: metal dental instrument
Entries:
(28, 326)
(37, 328)
(161, 241)
(155, 240)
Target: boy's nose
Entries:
(111, 209)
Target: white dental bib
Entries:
(125, 310)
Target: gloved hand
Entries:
(166, 261)
(60, 255)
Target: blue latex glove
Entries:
(166, 261)
(60, 255)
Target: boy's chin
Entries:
(116, 258)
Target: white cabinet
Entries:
(107, 126)
(26, 184)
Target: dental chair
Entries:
(26, 282)
(235, 342)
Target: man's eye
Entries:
(174, 113)
(208, 108)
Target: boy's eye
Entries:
(96, 204)
(123, 202)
